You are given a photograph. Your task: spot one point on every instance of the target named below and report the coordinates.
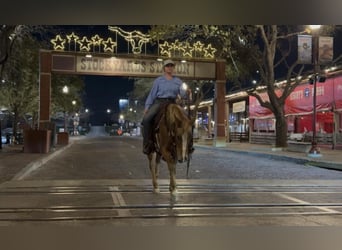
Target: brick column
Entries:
(44, 86)
(220, 106)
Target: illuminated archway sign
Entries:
(134, 64)
(144, 66)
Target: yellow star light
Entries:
(176, 45)
(187, 49)
(209, 51)
(58, 43)
(198, 46)
(96, 40)
(72, 38)
(109, 45)
(165, 49)
(84, 44)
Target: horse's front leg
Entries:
(153, 164)
(172, 172)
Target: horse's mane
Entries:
(176, 118)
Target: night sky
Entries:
(102, 93)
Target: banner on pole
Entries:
(325, 51)
(305, 49)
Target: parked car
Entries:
(3, 139)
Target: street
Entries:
(106, 180)
(120, 157)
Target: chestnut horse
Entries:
(173, 142)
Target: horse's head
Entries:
(181, 127)
(184, 145)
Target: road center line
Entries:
(120, 201)
(325, 209)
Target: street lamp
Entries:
(65, 90)
(314, 151)
(109, 116)
(73, 102)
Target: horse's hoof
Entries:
(156, 190)
(174, 192)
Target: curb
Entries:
(328, 165)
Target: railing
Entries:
(263, 138)
(269, 138)
(239, 136)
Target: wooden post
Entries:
(44, 86)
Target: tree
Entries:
(66, 96)
(137, 98)
(61, 100)
(19, 65)
(19, 91)
(5, 41)
(265, 57)
(10, 34)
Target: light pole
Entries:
(109, 116)
(314, 151)
(65, 90)
(74, 117)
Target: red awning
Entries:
(300, 102)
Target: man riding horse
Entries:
(166, 88)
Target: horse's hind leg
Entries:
(153, 164)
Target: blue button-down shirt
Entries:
(164, 88)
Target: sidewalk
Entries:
(15, 164)
(329, 158)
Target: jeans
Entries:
(148, 118)
(148, 121)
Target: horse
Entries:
(173, 142)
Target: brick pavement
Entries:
(15, 164)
